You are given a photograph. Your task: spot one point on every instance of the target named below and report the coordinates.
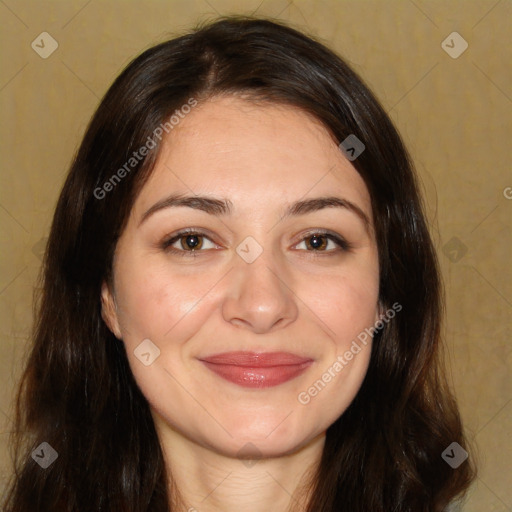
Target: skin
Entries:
(292, 298)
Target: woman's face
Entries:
(242, 333)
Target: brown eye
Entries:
(191, 242)
(324, 242)
(188, 243)
(316, 242)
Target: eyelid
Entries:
(173, 238)
(340, 241)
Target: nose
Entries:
(258, 298)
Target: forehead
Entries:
(260, 155)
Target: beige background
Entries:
(454, 114)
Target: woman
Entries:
(241, 304)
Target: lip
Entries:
(257, 369)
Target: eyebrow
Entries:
(221, 207)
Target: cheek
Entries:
(157, 304)
(348, 307)
(347, 304)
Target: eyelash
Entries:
(343, 245)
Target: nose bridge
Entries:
(261, 277)
(258, 298)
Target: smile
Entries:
(257, 370)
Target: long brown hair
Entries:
(78, 393)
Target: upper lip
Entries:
(256, 359)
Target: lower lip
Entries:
(260, 377)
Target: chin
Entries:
(257, 448)
(264, 439)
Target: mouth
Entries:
(257, 370)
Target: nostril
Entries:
(239, 322)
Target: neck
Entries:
(202, 480)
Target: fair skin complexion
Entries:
(303, 295)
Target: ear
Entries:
(379, 312)
(109, 310)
